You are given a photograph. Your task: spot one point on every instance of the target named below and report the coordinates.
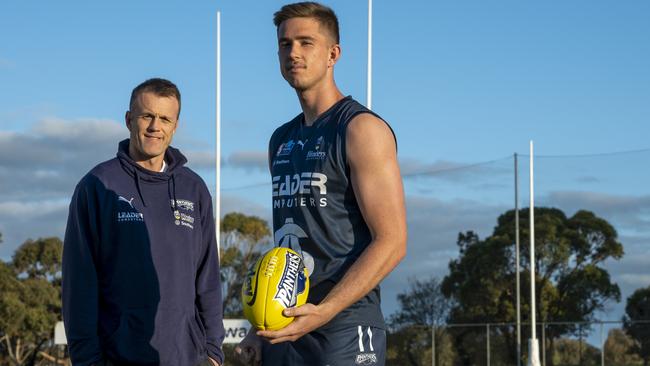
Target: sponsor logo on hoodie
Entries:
(366, 359)
(128, 216)
(183, 205)
(182, 218)
(130, 202)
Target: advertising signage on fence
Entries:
(236, 330)
(59, 334)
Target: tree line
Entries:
(571, 282)
(572, 287)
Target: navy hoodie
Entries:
(140, 267)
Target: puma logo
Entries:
(302, 144)
(120, 198)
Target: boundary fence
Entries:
(583, 331)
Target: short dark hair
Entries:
(323, 14)
(160, 87)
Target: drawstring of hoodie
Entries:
(142, 176)
(137, 185)
(171, 191)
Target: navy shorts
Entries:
(357, 345)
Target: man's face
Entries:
(152, 121)
(306, 52)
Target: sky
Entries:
(461, 83)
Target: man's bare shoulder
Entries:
(368, 129)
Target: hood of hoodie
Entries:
(173, 158)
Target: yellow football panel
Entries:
(266, 313)
(255, 313)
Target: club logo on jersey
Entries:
(299, 187)
(292, 281)
(289, 236)
(317, 153)
(319, 143)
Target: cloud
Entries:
(455, 171)
(203, 160)
(412, 169)
(433, 227)
(607, 202)
(632, 269)
(20, 221)
(249, 160)
(434, 224)
(630, 273)
(490, 181)
(631, 213)
(58, 141)
(635, 280)
(40, 167)
(236, 203)
(46, 161)
(27, 211)
(82, 132)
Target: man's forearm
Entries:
(377, 261)
(375, 177)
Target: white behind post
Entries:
(217, 188)
(533, 345)
(369, 86)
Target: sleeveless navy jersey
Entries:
(315, 211)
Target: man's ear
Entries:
(127, 119)
(335, 53)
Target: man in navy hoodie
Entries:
(140, 267)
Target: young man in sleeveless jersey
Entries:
(337, 199)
